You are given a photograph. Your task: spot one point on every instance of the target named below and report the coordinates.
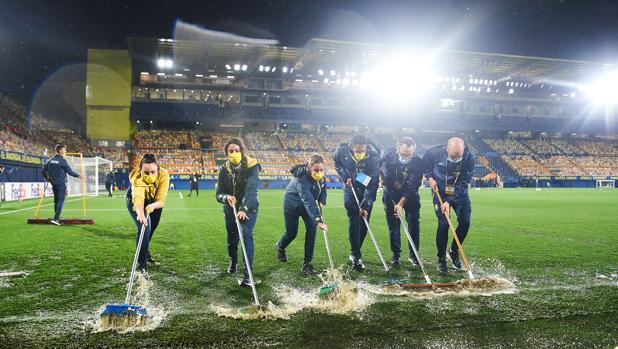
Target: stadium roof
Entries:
(356, 56)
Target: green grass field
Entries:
(559, 247)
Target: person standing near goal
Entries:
(145, 200)
(109, 183)
(449, 171)
(55, 172)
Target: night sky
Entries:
(38, 38)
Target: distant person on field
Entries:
(194, 184)
(109, 182)
(55, 172)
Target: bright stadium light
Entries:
(284, 69)
(402, 79)
(320, 71)
(274, 68)
(333, 73)
(237, 67)
(261, 68)
(267, 68)
(228, 67)
(603, 90)
(244, 67)
(161, 63)
(511, 91)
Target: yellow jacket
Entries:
(142, 191)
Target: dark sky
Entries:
(40, 37)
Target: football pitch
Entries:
(559, 247)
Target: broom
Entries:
(127, 314)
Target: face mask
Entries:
(454, 160)
(403, 160)
(150, 179)
(235, 158)
(317, 175)
(359, 156)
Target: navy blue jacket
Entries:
(401, 180)
(348, 167)
(441, 170)
(303, 190)
(241, 183)
(56, 169)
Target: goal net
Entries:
(606, 183)
(93, 170)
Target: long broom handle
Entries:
(139, 247)
(455, 237)
(38, 206)
(83, 173)
(330, 257)
(375, 242)
(244, 252)
(418, 257)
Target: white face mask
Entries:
(404, 160)
(454, 160)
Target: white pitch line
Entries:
(33, 207)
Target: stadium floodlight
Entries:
(228, 67)
(261, 68)
(403, 78)
(326, 80)
(244, 67)
(237, 67)
(320, 71)
(267, 68)
(333, 73)
(161, 63)
(511, 91)
(199, 75)
(161, 74)
(284, 69)
(603, 90)
(144, 73)
(138, 121)
(274, 68)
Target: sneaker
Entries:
(143, 268)
(413, 260)
(152, 261)
(358, 266)
(232, 268)
(55, 221)
(281, 253)
(352, 259)
(307, 269)
(244, 282)
(454, 257)
(442, 265)
(395, 261)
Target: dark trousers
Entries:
(291, 217)
(463, 210)
(153, 223)
(196, 188)
(357, 230)
(60, 192)
(108, 187)
(412, 211)
(233, 238)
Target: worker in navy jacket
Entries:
(55, 172)
(357, 163)
(401, 171)
(303, 197)
(449, 171)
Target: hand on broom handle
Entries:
(246, 257)
(455, 237)
(135, 258)
(325, 231)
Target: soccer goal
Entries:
(606, 183)
(93, 170)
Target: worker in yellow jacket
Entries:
(145, 200)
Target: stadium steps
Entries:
(318, 144)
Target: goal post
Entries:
(606, 183)
(93, 170)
